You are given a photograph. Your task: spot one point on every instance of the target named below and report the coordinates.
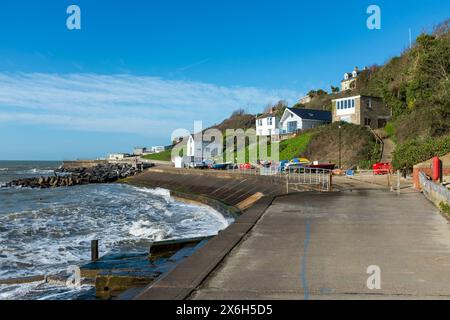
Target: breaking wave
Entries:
(42, 231)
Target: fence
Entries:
(382, 177)
(300, 177)
(295, 179)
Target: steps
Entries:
(388, 151)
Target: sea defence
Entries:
(121, 276)
(310, 245)
(248, 196)
(67, 177)
(208, 186)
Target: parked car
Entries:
(198, 165)
(382, 168)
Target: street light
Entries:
(340, 164)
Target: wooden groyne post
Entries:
(94, 250)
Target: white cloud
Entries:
(123, 103)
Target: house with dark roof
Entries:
(302, 119)
(349, 81)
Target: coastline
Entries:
(193, 198)
(220, 191)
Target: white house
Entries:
(118, 156)
(267, 125)
(199, 150)
(157, 149)
(306, 99)
(302, 119)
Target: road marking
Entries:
(305, 252)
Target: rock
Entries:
(102, 173)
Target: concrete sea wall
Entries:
(434, 192)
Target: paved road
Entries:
(318, 246)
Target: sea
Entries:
(45, 231)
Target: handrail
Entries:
(378, 138)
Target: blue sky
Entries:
(140, 69)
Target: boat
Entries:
(221, 166)
(327, 166)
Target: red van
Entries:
(382, 168)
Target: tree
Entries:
(334, 89)
(280, 105)
(312, 93)
(238, 112)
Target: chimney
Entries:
(356, 69)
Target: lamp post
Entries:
(340, 164)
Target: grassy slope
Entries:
(295, 147)
(358, 147)
(161, 156)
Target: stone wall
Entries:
(82, 163)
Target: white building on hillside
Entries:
(157, 149)
(118, 156)
(198, 150)
(302, 119)
(267, 125)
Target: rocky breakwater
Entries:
(102, 173)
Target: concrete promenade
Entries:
(318, 246)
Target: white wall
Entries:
(205, 150)
(346, 106)
(267, 126)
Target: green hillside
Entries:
(358, 145)
(415, 85)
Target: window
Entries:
(269, 121)
(259, 122)
(367, 121)
(345, 104)
(353, 103)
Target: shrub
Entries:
(445, 208)
(390, 130)
(414, 151)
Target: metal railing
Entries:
(304, 176)
(295, 179)
(382, 177)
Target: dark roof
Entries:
(358, 72)
(312, 114)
